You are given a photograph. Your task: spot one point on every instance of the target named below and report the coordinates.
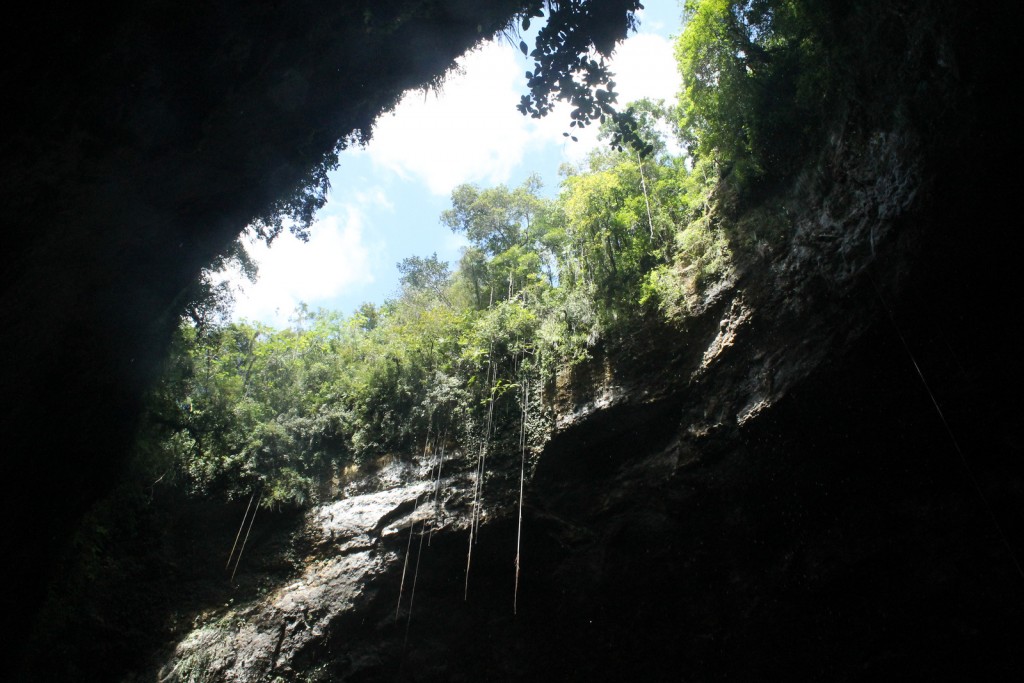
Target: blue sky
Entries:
(386, 199)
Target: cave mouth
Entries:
(143, 138)
(94, 298)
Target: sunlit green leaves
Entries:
(756, 82)
(563, 66)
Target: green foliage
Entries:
(705, 256)
(425, 274)
(565, 67)
(209, 300)
(633, 232)
(756, 82)
(494, 219)
(506, 230)
(243, 407)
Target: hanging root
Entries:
(415, 578)
(241, 526)
(405, 565)
(437, 489)
(474, 521)
(481, 462)
(469, 561)
(522, 479)
(492, 378)
(952, 437)
(245, 540)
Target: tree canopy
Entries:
(756, 81)
(634, 232)
(244, 407)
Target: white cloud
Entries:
(374, 196)
(472, 131)
(645, 66)
(291, 271)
